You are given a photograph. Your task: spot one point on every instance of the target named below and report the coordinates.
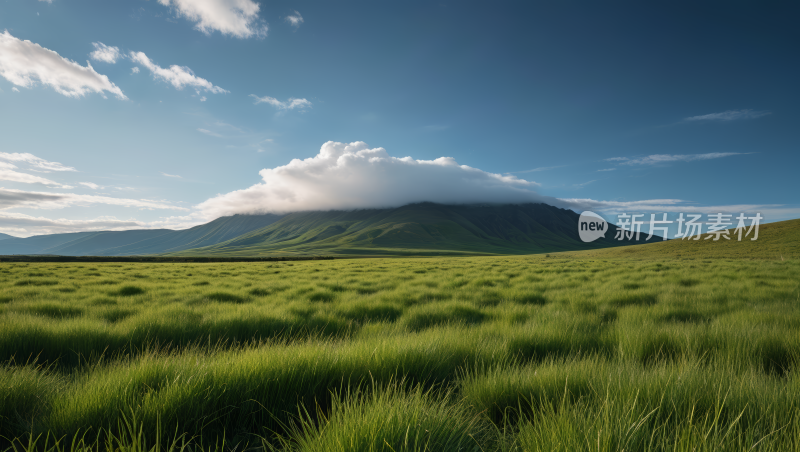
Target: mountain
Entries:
(776, 241)
(415, 229)
(144, 241)
(6, 236)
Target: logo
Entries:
(591, 226)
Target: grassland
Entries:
(561, 352)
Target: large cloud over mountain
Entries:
(353, 176)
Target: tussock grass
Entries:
(519, 353)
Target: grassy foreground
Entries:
(483, 353)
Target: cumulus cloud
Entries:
(10, 198)
(104, 53)
(237, 18)
(177, 76)
(291, 104)
(135, 70)
(294, 19)
(667, 158)
(34, 161)
(24, 63)
(730, 115)
(353, 176)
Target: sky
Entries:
(129, 114)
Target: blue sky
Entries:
(633, 106)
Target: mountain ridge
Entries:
(414, 229)
(136, 241)
(422, 228)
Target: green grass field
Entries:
(573, 351)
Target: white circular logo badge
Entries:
(591, 226)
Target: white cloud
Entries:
(536, 170)
(607, 169)
(178, 76)
(730, 115)
(291, 104)
(135, 70)
(15, 89)
(91, 185)
(7, 173)
(667, 158)
(171, 175)
(23, 63)
(10, 198)
(294, 19)
(104, 53)
(22, 225)
(203, 99)
(32, 160)
(352, 176)
(210, 133)
(237, 18)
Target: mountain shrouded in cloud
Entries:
(353, 176)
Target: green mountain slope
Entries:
(424, 228)
(780, 240)
(146, 241)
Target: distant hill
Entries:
(415, 229)
(6, 236)
(144, 241)
(780, 240)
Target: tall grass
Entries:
(521, 353)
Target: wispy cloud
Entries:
(24, 63)
(294, 19)
(237, 18)
(536, 170)
(34, 161)
(91, 185)
(730, 115)
(584, 184)
(177, 76)
(23, 225)
(607, 169)
(171, 175)
(10, 198)
(135, 70)
(209, 133)
(291, 104)
(104, 53)
(8, 173)
(656, 159)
